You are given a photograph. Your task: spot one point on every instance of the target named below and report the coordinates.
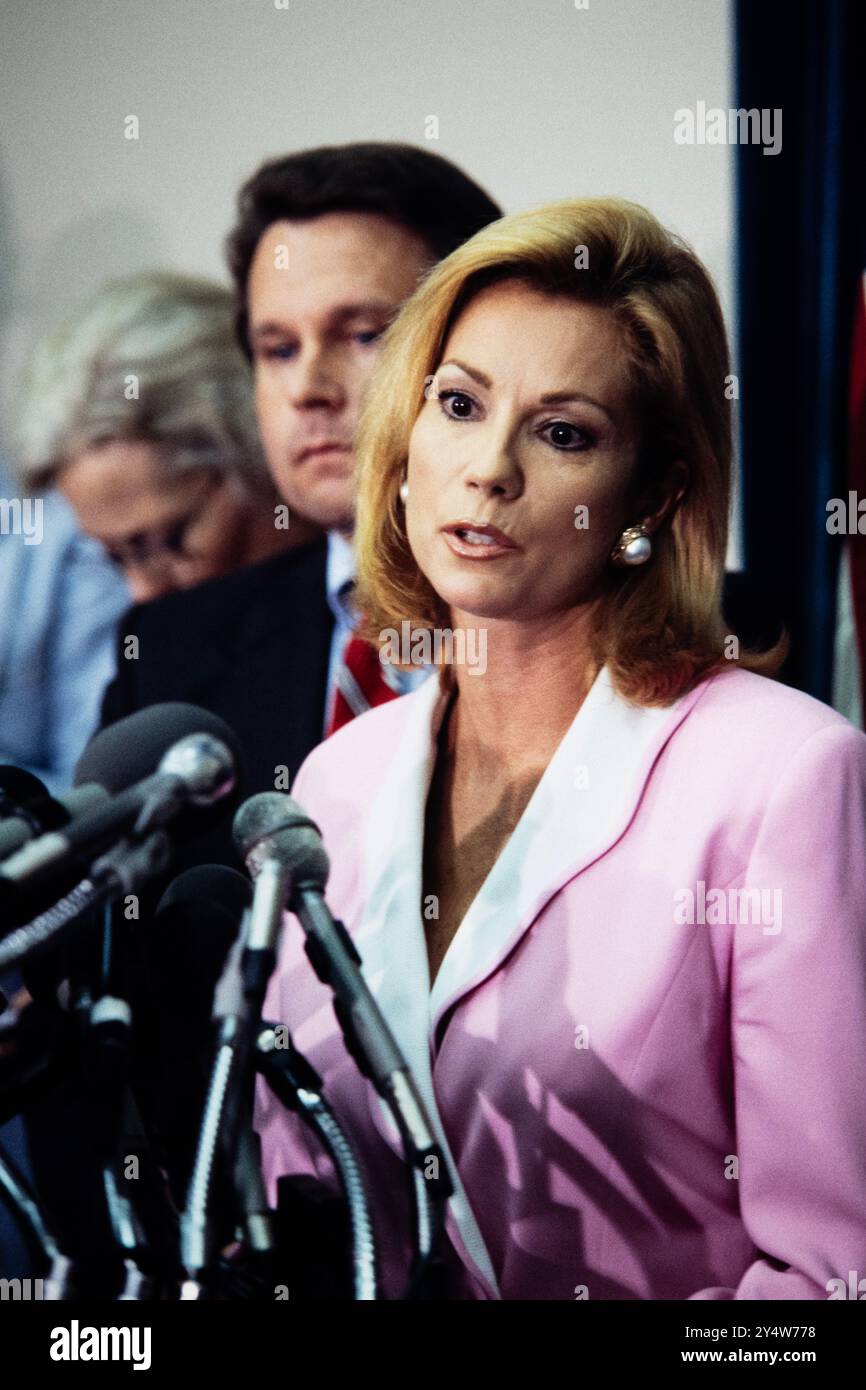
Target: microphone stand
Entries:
(109, 1035)
(227, 1123)
(107, 1039)
(34, 1035)
(108, 1019)
(250, 1189)
(117, 872)
(236, 1013)
(238, 1003)
(298, 1087)
(336, 961)
(21, 1201)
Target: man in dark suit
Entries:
(327, 245)
(251, 646)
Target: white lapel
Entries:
(582, 804)
(391, 938)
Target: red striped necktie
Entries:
(360, 684)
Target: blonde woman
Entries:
(611, 891)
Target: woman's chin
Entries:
(480, 601)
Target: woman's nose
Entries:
(495, 471)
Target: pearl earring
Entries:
(404, 492)
(633, 548)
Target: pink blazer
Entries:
(649, 1082)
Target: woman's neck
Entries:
(517, 710)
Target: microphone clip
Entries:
(132, 862)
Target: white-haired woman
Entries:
(139, 408)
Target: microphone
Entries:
(20, 792)
(17, 785)
(29, 818)
(199, 765)
(179, 958)
(195, 926)
(193, 930)
(199, 933)
(198, 760)
(126, 751)
(277, 841)
(272, 829)
(224, 1130)
(272, 832)
(116, 757)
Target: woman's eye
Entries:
(283, 352)
(564, 436)
(456, 404)
(369, 335)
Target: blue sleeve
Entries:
(91, 600)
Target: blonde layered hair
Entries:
(658, 627)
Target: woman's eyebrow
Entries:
(470, 371)
(551, 398)
(559, 397)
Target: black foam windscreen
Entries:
(183, 951)
(209, 886)
(192, 931)
(130, 750)
(18, 786)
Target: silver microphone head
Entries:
(204, 764)
(271, 825)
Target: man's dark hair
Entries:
(414, 187)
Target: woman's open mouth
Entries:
(477, 541)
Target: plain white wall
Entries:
(537, 99)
